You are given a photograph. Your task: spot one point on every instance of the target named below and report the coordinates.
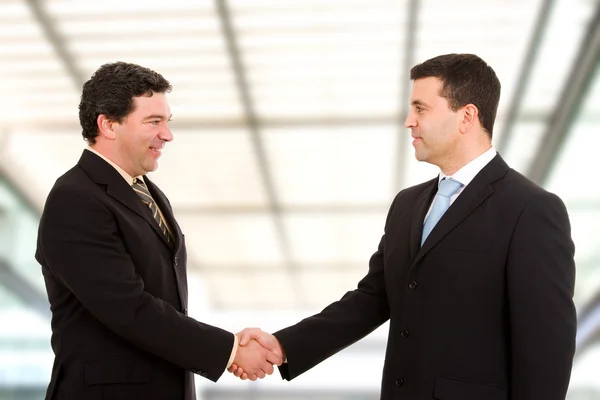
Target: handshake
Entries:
(256, 354)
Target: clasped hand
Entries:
(256, 354)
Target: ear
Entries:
(470, 117)
(106, 127)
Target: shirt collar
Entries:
(128, 178)
(467, 173)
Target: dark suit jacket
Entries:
(483, 310)
(118, 294)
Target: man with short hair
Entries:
(114, 259)
(475, 269)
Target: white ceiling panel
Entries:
(565, 31)
(81, 8)
(11, 10)
(35, 82)
(320, 288)
(201, 168)
(136, 26)
(38, 159)
(231, 240)
(128, 46)
(334, 238)
(187, 38)
(526, 138)
(251, 290)
(322, 59)
(578, 161)
(332, 165)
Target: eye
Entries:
(419, 109)
(155, 122)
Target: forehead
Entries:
(156, 104)
(426, 88)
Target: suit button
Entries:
(175, 261)
(185, 311)
(413, 285)
(399, 382)
(404, 333)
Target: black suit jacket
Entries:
(118, 293)
(483, 310)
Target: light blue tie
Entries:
(441, 203)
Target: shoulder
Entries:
(71, 191)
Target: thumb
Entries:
(248, 334)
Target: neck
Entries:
(461, 157)
(110, 153)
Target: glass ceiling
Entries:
(288, 117)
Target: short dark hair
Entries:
(466, 79)
(110, 91)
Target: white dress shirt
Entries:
(466, 174)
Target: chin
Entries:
(151, 166)
(420, 157)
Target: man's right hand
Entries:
(249, 339)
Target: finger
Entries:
(274, 358)
(248, 334)
(239, 372)
(269, 369)
(244, 338)
(252, 377)
(244, 376)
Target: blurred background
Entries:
(289, 148)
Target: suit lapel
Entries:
(104, 174)
(472, 196)
(418, 216)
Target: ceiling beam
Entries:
(568, 104)
(254, 128)
(57, 41)
(522, 84)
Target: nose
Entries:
(410, 121)
(166, 134)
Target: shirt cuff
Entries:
(233, 351)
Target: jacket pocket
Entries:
(448, 388)
(109, 371)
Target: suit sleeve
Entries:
(80, 243)
(354, 316)
(543, 321)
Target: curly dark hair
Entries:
(466, 79)
(110, 91)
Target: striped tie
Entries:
(142, 191)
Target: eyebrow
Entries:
(419, 103)
(158, 116)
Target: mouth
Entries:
(156, 150)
